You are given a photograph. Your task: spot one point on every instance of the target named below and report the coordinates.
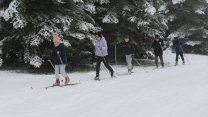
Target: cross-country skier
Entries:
(59, 58)
(178, 46)
(157, 46)
(129, 52)
(101, 52)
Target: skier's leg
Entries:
(156, 60)
(62, 70)
(177, 54)
(99, 59)
(64, 74)
(104, 59)
(129, 60)
(181, 54)
(161, 60)
(57, 68)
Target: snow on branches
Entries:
(90, 8)
(64, 20)
(78, 1)
(46, 31)
(149, 8)
(200, 12)
(12, 13)
(85, 26)
(35, 40)
(104, 1)
(132, 19)
(77, 35)
(110, 18)
(142, 22)
(36, 61)
(60, 1)
(178, 1)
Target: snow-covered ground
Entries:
(180, 91)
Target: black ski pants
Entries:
(181, 54)
(104, 60)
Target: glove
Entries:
(49, 60)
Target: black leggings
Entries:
(181, 54)
(104, 60)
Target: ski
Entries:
(71, 84)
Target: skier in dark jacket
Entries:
(178, 46)
(157, 46)
(101, 52)
(59, 58)
(129, 52)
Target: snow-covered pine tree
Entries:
(29, 25)
(141, 19)
(188, 19)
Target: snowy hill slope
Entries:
(180, 91)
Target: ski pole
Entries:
(51, 64)
(139, 64)
(60, 58)
(104, 68)
(104, 61)
(185, 55)
(187, 59)
(116, 57)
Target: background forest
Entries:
(26, 28)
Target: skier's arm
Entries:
(174, 45)
(182, 43)
(52, 55)
(162, 43)
(104, 47)
(62, 50)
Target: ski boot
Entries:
(96, 78)
(113, 75)
(176, 63)
(156, 66)
(183, 62)
(57, 83)
(129, 71)
(67, 80)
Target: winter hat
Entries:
(99, 34)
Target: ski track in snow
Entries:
(176, 91)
